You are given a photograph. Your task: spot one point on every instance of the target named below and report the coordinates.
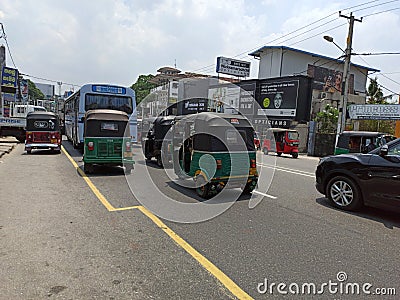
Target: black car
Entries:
(350, 181)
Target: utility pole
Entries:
(346, 72)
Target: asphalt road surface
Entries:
(66, 235)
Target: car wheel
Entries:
(343, 193)
(279, 153)
(29, 151)
(265, 151)
(295, 154)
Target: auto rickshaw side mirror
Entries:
(384, 150)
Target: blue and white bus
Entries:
(97, 96)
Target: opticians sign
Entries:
(234, 67)
(374, 111)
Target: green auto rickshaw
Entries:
(107, 140)
(361, 141)
(216, 150)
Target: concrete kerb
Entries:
(7, 144)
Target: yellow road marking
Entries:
(126, 208)
(203, 261)
(209, 266)
(94, 189)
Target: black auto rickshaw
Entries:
(216, 150)
(155, 140)
(42, 131)
(281, 140)
(361, 141)
(107, 140)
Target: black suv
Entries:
(351, 180)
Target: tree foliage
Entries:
(327, 119)
(142, 87)
(34, 92)
(374, 93)
(375, 96)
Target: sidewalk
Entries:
(7, 143)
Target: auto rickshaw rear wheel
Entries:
(128, 169)
(279, 153)
(247, 189)
(202, 187)
(159, 161)
(88, 168)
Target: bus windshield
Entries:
(94, 101)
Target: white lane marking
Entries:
(266, 195)
(292, 171)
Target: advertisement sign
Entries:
(246, 100)
(374, 111)
(329, 80)
(9, 77)
(224, 99)
(234, 67)
(273, 123)
(278, 98)
(24, 90)
(193, 105)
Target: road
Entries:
(68, 236)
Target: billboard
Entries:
(278, 98)
(9, 78)
(247, 94)
(374, 111)
(329, 80)
(234, 67)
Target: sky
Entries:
(114, 41)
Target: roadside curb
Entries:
(7, 144)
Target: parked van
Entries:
(22, 110)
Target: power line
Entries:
(3, 35)
(50, 80)
(206, 68)
(387, 2)
(381, 12)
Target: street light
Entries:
(347, 53)
(330, 39)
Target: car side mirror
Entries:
(384, 150)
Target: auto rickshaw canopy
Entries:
(219, 132)
(106, 123)
(42, 121)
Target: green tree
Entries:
(34, 92)
(375, 96)
(374, 93)
(327, 119)
(142, 87)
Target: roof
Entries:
(363, 133)
(106, 114)
(281, 130)
(217, 119)
(41, 115)
(258, 52)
